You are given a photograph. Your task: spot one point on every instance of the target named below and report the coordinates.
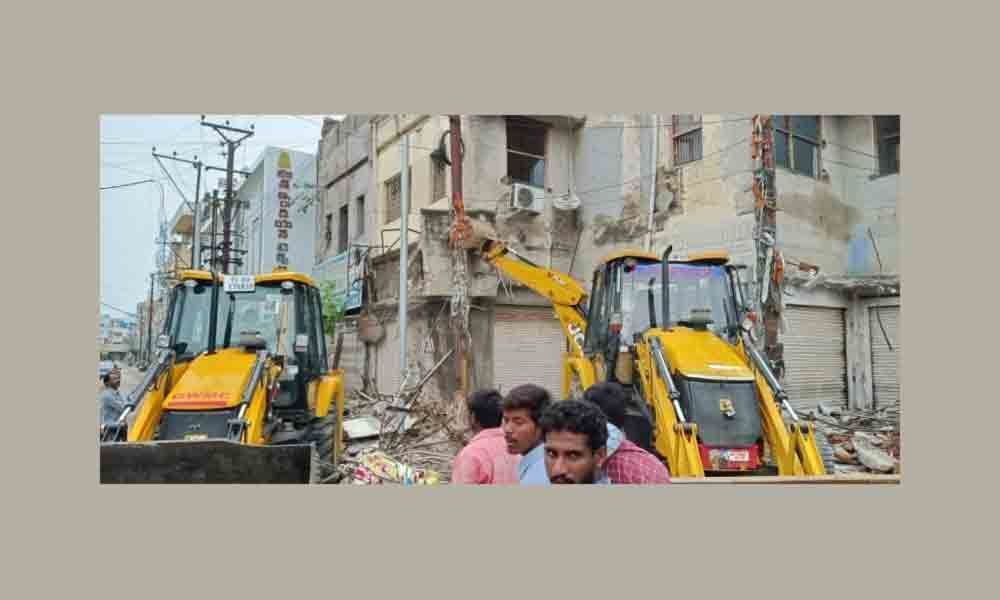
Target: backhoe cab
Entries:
(703, 397)
(240, 391)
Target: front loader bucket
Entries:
(212, 461)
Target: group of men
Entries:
(525, 438)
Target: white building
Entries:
(278, 223)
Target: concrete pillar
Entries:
(859, 354)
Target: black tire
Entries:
(322, 435)
(825, 451)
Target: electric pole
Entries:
(149, 321)
(196, 235)
(461, 233)
(769, 270)
(231, 144)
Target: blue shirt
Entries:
(531, 469)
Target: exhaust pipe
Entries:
(213, 316)
(652, 304)
(666, 286)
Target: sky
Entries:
(129, 216)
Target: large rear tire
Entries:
(323, 435)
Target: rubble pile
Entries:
(862, 440)
(412, 444)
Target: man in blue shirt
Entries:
(522, 408)
(575, 440)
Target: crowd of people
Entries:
(524, 438)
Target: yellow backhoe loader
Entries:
(240, 391)
(675, 334)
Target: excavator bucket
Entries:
(211, 461)
(476, 232)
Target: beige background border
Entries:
(66, 535)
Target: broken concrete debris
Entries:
(866, 441)
(399, 439)
(874, 458)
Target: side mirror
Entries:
(301, 343)
(163, 342)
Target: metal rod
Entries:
(247, 132)
(404, 246)
(664, 369)
(769, 377)
(223, 169)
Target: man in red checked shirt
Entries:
(628, 464)
(485, 459)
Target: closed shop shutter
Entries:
(815, 357)
(528, 347)
(885, 362)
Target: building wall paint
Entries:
(424, 134)
(261, 240)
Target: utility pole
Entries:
(149, 322)
(214, 260)
(404, 243)
(461, 233)
(196, 235)
(769, 263)
(231, 145)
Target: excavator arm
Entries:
(568, 299)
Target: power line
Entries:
(306, 119)
(146, 143)
(122, 168)
(112, 307)
(111, 187)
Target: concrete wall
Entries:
(424, 134)
(428, 340)
(344, 174)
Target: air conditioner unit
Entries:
(527, 198)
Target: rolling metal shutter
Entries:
(885, 362)
(815, 356)
(528, 345)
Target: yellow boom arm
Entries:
(567, 297)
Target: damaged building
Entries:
(565, 190)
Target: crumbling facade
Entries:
(594, 179)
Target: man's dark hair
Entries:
(610, 398)
(528, 396)
(485, 407)
(577, 417)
